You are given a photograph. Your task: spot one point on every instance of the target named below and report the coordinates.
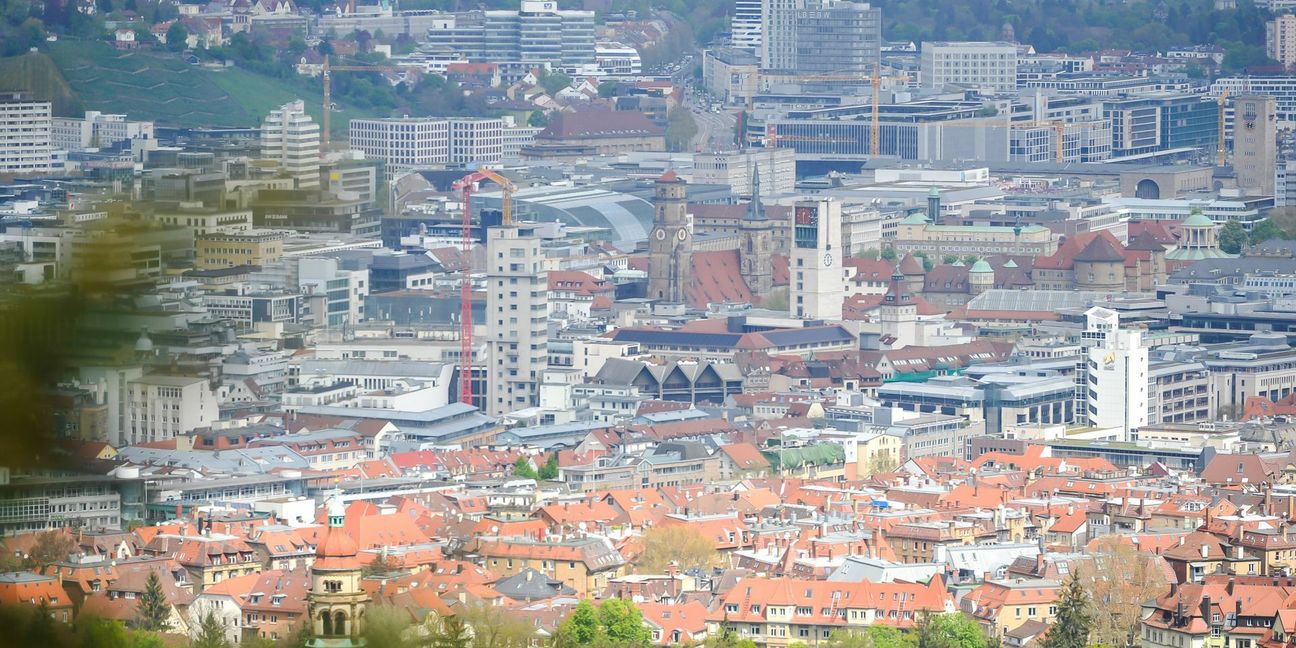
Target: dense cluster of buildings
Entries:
(450, 362)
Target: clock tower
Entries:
(756, 244)
(670, 243)
(817, 279)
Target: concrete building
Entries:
(670, 245)
(96, 130)
(1280, 39)
(292, 139)
(976, 64)
(917, 233)
(730, 73)
(333, 296)
(402, 144)
(225, 250)
(25, 135)
(161, 407)
(818, 282)
(777, 169)
(835, 36)
(517, 309)
(745, 25)
(538, 32)
(778, 33)
(1116, 363)
(474, 140)
(1255, 144)
(617, 59)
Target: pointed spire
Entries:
(754, 209)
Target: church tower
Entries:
(336, 601)
(756, 243)
(899, 314)
(670, 244)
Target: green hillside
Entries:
(155, 85)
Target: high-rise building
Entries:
(517, 307)
(1255, 144)
(835, 36)
(817, 286)
(670, 245)
(1115, 372)
(778, 33)
(408, 143)
(25, 134)
(292, 139)
(977, 64)
(1280, 39)
(538, 32)
(745, 25)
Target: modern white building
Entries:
(778, 33)
(333, 294)
(517, 323)
(96, 130)
(776, 166)
(745, 25)
(1116, 372)
(538, 32)
(478, 140)
(978, 64)
(818, 285)
(617, 59)
(402, 143)
(25, 135)
(161, 407)
(1280, 39)
(292, 139)
(1281, 88)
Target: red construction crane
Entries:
(465, 185)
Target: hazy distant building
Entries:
(778, 33)
(517, 308)
(538, 32)
(25, 137)
(745, 25)
(976, 64)
(96, 130)
(1255, 145)
(1280, 39)
(838, 37)
(402, 143)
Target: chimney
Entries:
(1206, 609)
(1237, 610)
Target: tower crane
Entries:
(327, 73)
(466, 186)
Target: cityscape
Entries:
(625, 324)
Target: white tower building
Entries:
(517, 307)
(290, 137)
(1117, 372)
(818, 284)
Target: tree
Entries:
(928, 264)
(494, 627)
(777, 300)
(872, 254)
(1232, 237)
(1071, 627)
(949, 259)
(538, 119)
(381, 564)
(581, 628)
(882, 462)
(549, 470)
(1263, 231)
(211, 633)
(177, 37)
(952, 630)
(1120, 579)
(970, 259)
(680, 128)
(153, 612)
(451, 632)
(522, 468)
(607, 89)
(622, 623)
(889, 254)
(386, 626)
(50, 546)
(681, 543)
(874, 636)
(554, 82)
(727, 638)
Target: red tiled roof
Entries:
(717, 277)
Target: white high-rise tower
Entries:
(1116, 366)
(290, 137)
(517, 307)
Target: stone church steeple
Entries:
(670, 244)
(756, 243)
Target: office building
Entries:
(1160, 122)
(476, 140)
(838, 37)
(778, 33)
(517, 306)
(161, 407)
(1280, 39)
(25, 137)
(96, 130)
(670, 245)
(776, 167)
(539, 33)
(1282, 88)
(745, 25)
(974, 64)
(1255, 144)
(229, 249)
(402, 144)
(617, 59)
(818, 285)
(730, 73)
(1115, 372)
(292, 139)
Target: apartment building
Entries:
(291, 138)
(216, 250)
(161, 407)
(585, 564)
(25, 135)
(1280, 39)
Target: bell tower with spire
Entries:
(756, 242)
(336, 601)
(670, 244)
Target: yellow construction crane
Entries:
(875, 129)
(1219, 150)
(328, 83)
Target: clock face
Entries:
(828, 259)
(661, 234)
(681, 234)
